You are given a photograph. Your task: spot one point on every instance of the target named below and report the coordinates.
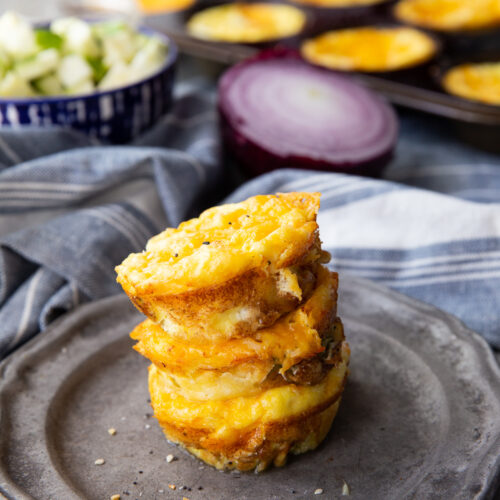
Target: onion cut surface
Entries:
(278, 111)
(370, 49)
(247, 22)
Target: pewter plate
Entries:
(420, 417)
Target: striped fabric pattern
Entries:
(441, 248)
(71, 210)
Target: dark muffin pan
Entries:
(420, 92)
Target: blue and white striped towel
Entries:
(440, 249)
(67, 218)
(70, 210)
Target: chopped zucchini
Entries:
(73, 56)
(41, 64)
(45, 39)
(98, 67)
(149, 59)
(117, 76)
(84, 87)
(5, 63)
(77, 36)
(13, 85)
(119, 47)
(17, 38)
(48, 85)
(73, 70)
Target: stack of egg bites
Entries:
(248, 356)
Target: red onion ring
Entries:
(277, 111)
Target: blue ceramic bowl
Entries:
(115, 116)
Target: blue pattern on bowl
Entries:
(116, 116)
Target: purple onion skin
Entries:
(256, 160)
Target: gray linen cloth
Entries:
(70, 211)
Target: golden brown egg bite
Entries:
(474, 81)
(247, 22)
(449, 15)
(235, 269)
(299, 347)
(164, 6)
(370, 49)
(233, 400)
(251, 432)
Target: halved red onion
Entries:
(276, 111)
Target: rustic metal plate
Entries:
(419, 419)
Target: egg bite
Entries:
(252, 432)
(449, 15)
(300, 347)
(244, 401)
(232, 271)
(372, 49)
(164, 6)
(247, 22)
(478, 82)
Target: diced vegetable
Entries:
(148, 59)
(115, 77)
(98, 67)
(5, 63)
(109, 28)
(41, 64)
(77, 36)
(17, 37)
(73, 57)
(73, 70)
(45, 39)
(48, 85)
(84, 87)
(13, 85)
(119, 46)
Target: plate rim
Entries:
(43, 344)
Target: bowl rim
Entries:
(168, 64)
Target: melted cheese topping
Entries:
(450, 15)
(339, 3)
(246, 23)
(291, 339)
(225, 241)
(229, 417)
(477, 82)
(370, 49)
(152, 6)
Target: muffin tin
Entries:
(421, 90)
